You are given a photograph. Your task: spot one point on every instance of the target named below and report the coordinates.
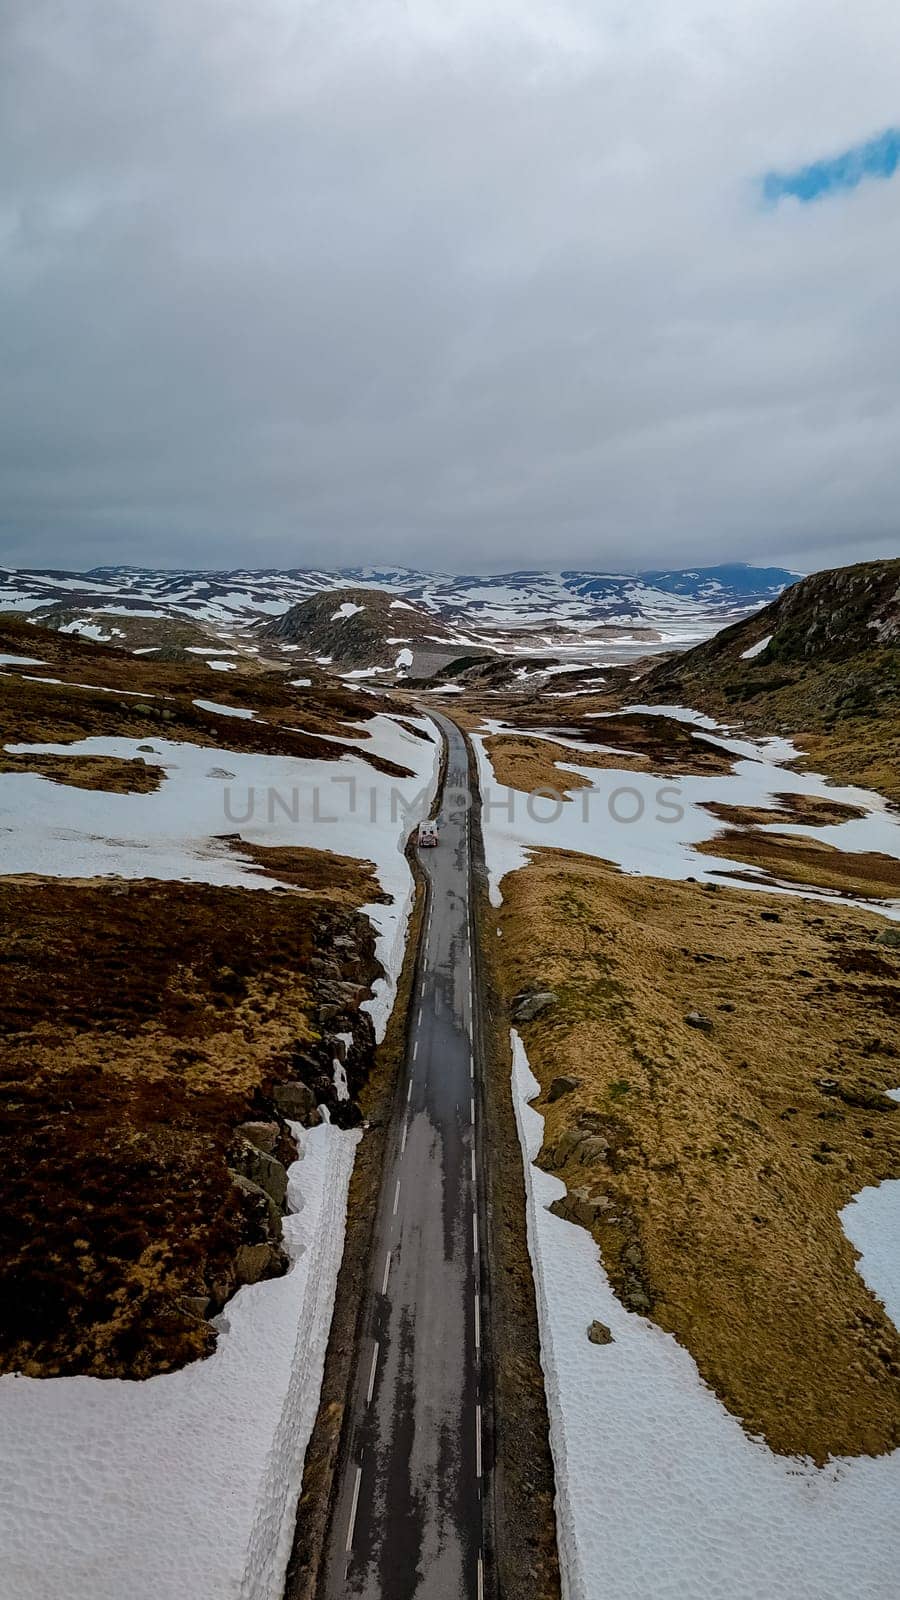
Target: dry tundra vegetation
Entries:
(710, 1159)
(714, 1067)
(150, 1029)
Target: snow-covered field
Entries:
(660, 1493)
(177, 832)
(651, 825)
(182, 1487)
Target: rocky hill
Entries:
(822, 662)
(360, 630)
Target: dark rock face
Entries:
(265, 1213)
(296, 1101)
(263, 1170)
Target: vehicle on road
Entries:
(428, 835)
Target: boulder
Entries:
(575, 1143)
(196, 1305)
(890, 936)
(267, 1212)
(560, 1086)
(253, 1262)
(593, 1147)
(527, 1006)
(296, 1101)
(262, 1169)
(577, 1205)
(598, 1333)
(264, 1135)
(326, 1015)
(696, 1019)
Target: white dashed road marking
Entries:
(371, 1389)
(387, 1270)
(353, 1507)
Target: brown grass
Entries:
(527, 764)
(810, 861)
(637, 744)
(815, 811)
(344, 879)
(141, 1023)
(731, 1152)
(865, 752)
(88, 772)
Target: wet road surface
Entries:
(408, 1521)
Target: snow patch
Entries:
(757, 649)
(224, 711)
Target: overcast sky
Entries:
(467, 284)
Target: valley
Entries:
(673, 971)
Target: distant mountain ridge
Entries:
(685, 603)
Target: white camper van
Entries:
(428, 835)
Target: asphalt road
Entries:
(409, 1513)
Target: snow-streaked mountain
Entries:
(677, 607)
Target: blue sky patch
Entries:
(877, 158)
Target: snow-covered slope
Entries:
(683, 605)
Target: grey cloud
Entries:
(455, 284)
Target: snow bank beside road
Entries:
(660, 1494)
(182, 1487)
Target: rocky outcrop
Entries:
(581, 1144)
(578, 1205)
(530, 1003)
(263, 1170)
